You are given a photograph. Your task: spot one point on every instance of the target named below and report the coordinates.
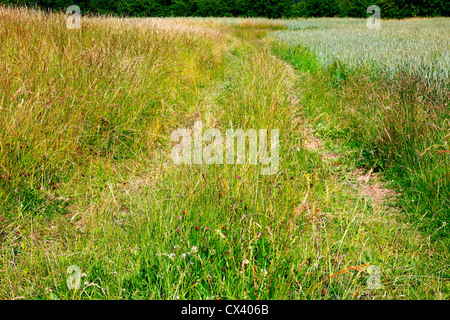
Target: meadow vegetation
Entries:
(87, 179)
(385, 92)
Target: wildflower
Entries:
(54, 187)
(178, 229)
(259, 234)
(181, 217)
(184, 212)
(8, 176)
(220, 233)
(194, 249)
(38, 187)
(238, 176)
(220, 194)
(172, 256)
(207, 229)
(246, 261)
(183, 255)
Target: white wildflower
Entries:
(220, 233)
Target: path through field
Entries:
(137, 226)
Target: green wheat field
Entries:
(358, 208)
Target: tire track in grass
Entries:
(403, 253)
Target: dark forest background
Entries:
(248, 8)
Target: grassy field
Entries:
(87, 180)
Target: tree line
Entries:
(247, 8)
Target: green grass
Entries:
(95, 123)
(399, 126)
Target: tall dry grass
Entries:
(108, 92)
